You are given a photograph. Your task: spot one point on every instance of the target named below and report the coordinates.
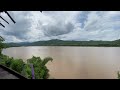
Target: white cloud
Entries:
(65, 25)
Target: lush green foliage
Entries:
(2, 45)
(17, 65)
(40, 70)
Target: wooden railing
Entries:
(13, 72)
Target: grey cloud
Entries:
(58, 29)
(20, 29)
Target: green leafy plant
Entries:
(40, 70)
(118, 75)
(17, 65)
(2, 45)
(27, 71)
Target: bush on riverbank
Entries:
(40, 70)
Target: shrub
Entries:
(17, 65)
(40, 70)
(27, 71)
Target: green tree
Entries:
(41, 71)
(17, 65)
(2, 45)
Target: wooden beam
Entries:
(2, 25)
(10, 16)
(3, 19)
(13, 72)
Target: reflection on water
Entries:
(74, 62)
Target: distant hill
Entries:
(57, 42)
(117, 40)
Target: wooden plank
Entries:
(6, 73)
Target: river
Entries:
(74, 62)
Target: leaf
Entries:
(45, 60)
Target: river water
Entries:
(74, 62)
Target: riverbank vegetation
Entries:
(40, 69)
(35, 67)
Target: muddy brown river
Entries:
(74, 62)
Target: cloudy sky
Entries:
(65, 25)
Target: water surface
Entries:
(74, 62)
